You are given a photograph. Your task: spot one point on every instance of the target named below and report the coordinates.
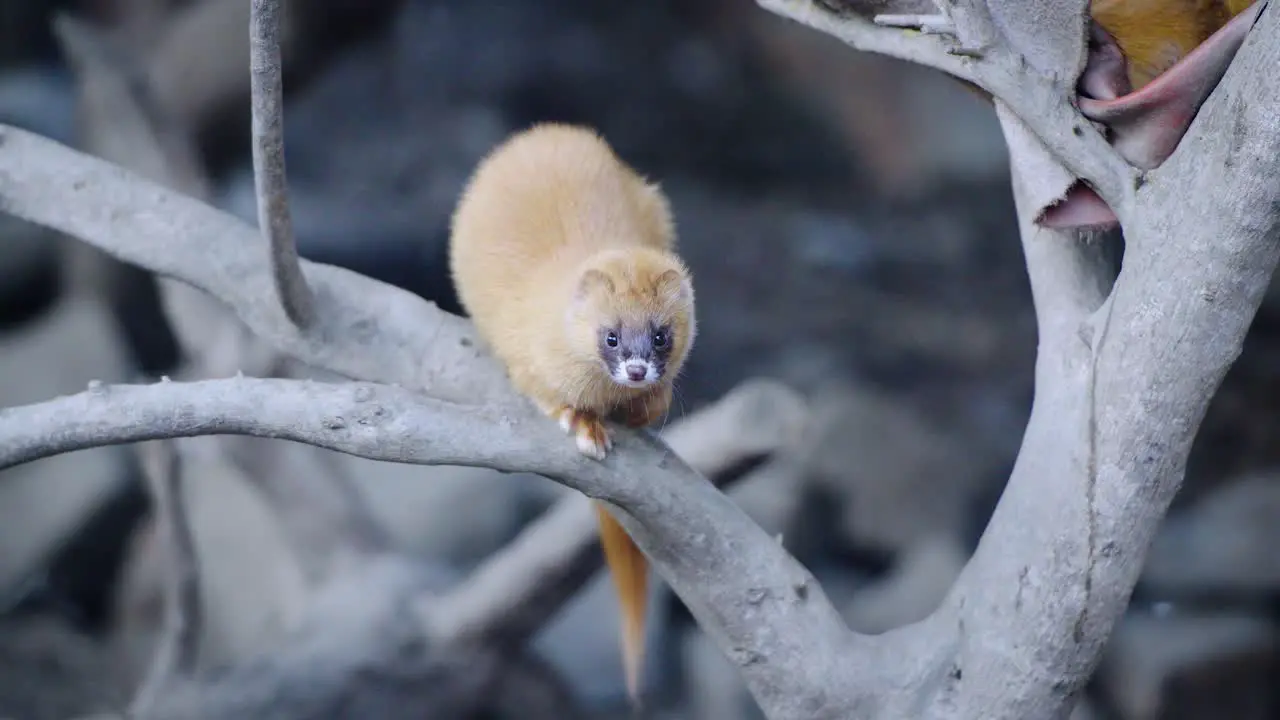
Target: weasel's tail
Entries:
(630, 570)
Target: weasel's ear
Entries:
(675, 285)
(1147, 124)
(593, 281)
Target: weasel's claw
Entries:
(594, 444)
(590, 435)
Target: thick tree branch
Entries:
(365, 329)
(735, 578)
(989, 59)
(1121, 388)
(514, 592)
(372, 421)
(1124, 371)
(268, 161)
(470, 628)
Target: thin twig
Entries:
(126, 122)
(935, 23)
(269, 165)
(374, 331)
(178, 647)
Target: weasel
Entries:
(564, 258)
(1150, 65)
(1153, 35)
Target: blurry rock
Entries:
(583, 644)
(199, 62)
(50, 672)
(900, 479)
(920, 579)
(1225, 542)
(713, 686)
(1192, 667)
(43, 501)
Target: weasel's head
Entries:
(633, 312)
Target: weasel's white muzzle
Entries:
(635, 373)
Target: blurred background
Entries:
(850, 227)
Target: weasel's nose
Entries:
(635, 373)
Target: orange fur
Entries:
(1155, 34)
(553, 239)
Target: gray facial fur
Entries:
(640, 355)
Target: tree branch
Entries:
(372, 421)
(176, 654)
(995, 62)
(469, 632)
(736, 579)
(131, 123)
(365, 329)
(861, 33)
(1021, 630)
(1124, 371)
(268, 162)
(123, 121)
(1123, 377)
(514, 592)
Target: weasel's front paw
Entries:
(589, 432)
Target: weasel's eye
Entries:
(660, 338)
(611, 339)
